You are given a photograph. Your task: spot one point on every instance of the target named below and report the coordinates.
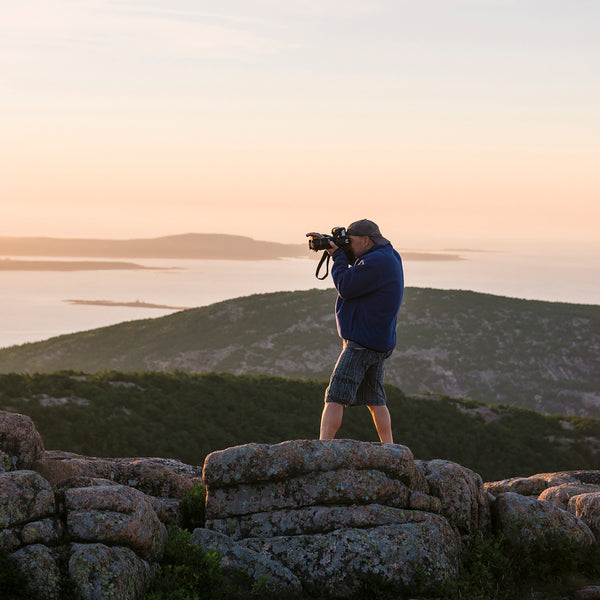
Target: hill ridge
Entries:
(538, 354)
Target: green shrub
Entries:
(186, 572)
(12, 581)
(494, 569)
(193, 507)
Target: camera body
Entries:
(338, 236)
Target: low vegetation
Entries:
(538, 355)
(186, 416)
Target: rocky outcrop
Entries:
(326, 516)
(117, 516)
(103, 572)
(525, 520)
(338, 513)
(576, 493)
(67, 521)
(157, 477)
(39, 565)
(461, 494)
(108, 532)
(561, 494)
(586, 506)
(25, 497)
(20, 443)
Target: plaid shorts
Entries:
(357, 378)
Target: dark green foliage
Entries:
(193, 507)
(185, 416)
(12, 582)
(187, 573)
(494, 569)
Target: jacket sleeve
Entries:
(351, 282)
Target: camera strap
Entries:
(324, 259)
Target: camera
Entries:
(338, 236)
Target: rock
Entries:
(103, 573)
(342, 513)
(116, 515)
(168, 510)
(261, 569)
(525, 520)
(461, 493)
(583, 476)
(421, 501)
(417, 555)
(526, 486)
(536, 484)
(587, 508)
(20, 443)
(24, 496)
(9, 539)
(46, 531)
(345, 486)
(39, 566)
(312, 520)
(560, 495)
(162, 477)
(80, 482)
(591, 592)
(57, 466)
(252, 463)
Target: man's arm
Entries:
(361, 278)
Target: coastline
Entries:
(133, 304)
(10, 264)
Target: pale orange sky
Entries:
(455, 122)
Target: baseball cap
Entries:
(366, 227)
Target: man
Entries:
(369, 296)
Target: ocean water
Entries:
(33, 304)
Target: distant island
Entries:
(214, 246)
(134, 304)
(190, 245)
(9, 264)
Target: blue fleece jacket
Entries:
(369, 296)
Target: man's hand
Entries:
(314, 234)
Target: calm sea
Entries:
(33, 307)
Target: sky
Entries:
(452, 123)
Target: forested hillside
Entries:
(187, 416)
(539, 355)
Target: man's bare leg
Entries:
(331, 420)
(383, 423)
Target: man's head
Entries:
(363, 235)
